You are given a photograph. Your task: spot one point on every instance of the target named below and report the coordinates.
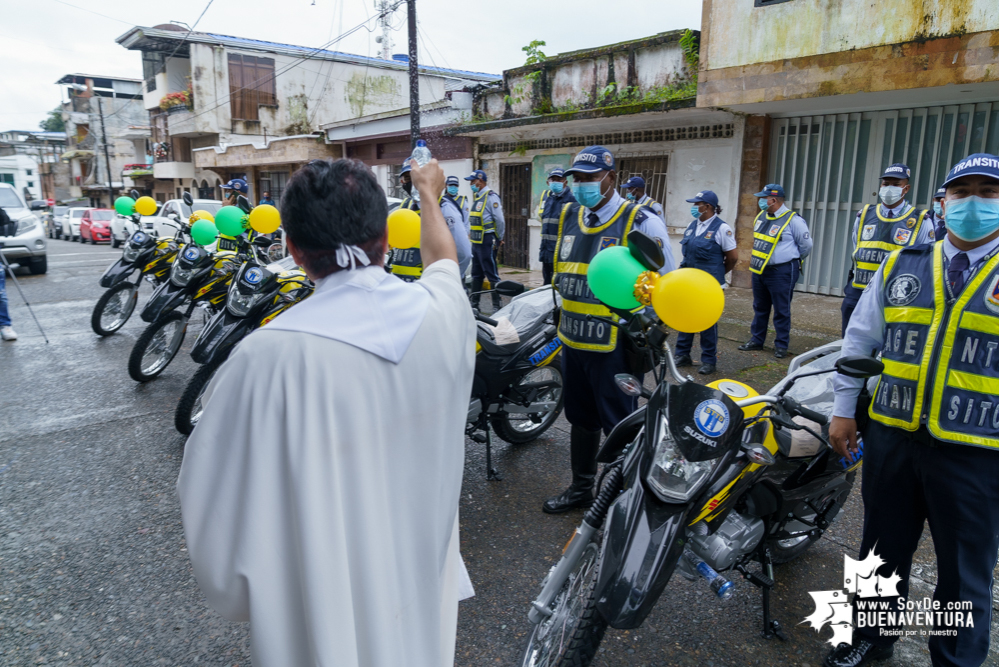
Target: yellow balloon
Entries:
(202, 215)
(688, 300)
(145, 206)
(265, 219)
(403, 228)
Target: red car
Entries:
(96, 225)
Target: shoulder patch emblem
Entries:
(903, 289)
(567, 242)
(992, 296)
(728, 233)
(608, 242)
(868, 232)
(495, 204)
(902, 236)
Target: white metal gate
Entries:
(830, 168)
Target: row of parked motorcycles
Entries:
(238, 289)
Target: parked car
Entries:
(56, 221)
(27, 247)
(95, 225)
(168, 219)
(71, 228)
(122, 228)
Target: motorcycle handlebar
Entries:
(487, 320)
(796, 408)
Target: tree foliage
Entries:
(53, 122)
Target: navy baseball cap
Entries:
(979, 164)
(590, 160)
(708, 197)
(557, 172)
(941, 193)
(405, 166)
(451, 180)
(897, 170)
(237, 184)
(635, 182)
(771, 190)
(478, 174)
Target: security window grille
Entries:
(652, 169)
(830, 167)
(273, 182)
(721, 131)
(515, 193)
(251, 83)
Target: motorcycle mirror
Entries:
(244, 204)
(188, 199)
(758, 454)
(509, 288)
(646, 250)
(262, 242)
(134, 194)
(630, 385)
(859, 366)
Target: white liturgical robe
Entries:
(320, 489)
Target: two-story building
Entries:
(224, 107)
(29, 160)
(832, 92)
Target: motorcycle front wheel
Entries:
(571, 635)
(114, 308)
(157, 346)
(190, 407)
(518, 429)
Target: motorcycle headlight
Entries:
(241, 304)
(130, 253)
(672, 477)
(180, 276)
(26, 224)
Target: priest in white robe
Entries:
(320, 488)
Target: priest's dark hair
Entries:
(329, 203)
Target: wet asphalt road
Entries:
(93, 567)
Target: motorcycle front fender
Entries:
(219, 336)
(117, 272)
(643, 540)
(165, 298)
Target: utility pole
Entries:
(414, 77)
(107, 158)
(385, 22)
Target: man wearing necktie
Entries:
(592, 352)
(931, 446)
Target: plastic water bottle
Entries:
(421, 156)
(722, 587)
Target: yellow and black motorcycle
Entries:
(257, 295)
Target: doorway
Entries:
(515, 193)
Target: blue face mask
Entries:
(938, 209)
(763, 203)
(630, 196)
(972, 218)
(588, 194)
(695, 212)
(475, 188)
(452, 190)
(556, 187)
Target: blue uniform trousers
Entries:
(4, 315)
(484, 260)
(773, 289)
(709, 345)
(591, 397)
(909, 478)
(851, 295)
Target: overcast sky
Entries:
(45, 39)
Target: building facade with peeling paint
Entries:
(223, 107)
(832, 92)
(636, 98)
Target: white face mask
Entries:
(890, 194)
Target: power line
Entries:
(84, 9)
(190, 30)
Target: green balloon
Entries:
(204, 232)
(124, 205)
(229, 220)
(612, 275)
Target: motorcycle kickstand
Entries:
(765, 582)
(491, 472)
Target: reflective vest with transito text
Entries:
(478, 229)
(766, 234)
(877, 236)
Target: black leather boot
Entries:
(476, 287)
(583, 450)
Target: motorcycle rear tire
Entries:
(783, 554)
(96, 318)
(504, 428)
(135, 369)
(588, 632)
(184, 418)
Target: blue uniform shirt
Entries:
(493, 210)
(794, 245)
(866, 331)
(651, 203)
(646, 222)
(455, 223)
